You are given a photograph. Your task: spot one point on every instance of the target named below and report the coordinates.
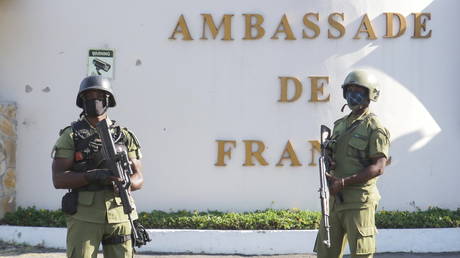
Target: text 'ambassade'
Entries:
(288, 30)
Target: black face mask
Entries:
(356, 100)
(95, 107)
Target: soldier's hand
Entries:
(335, 184)
(332, 164)
(100, 176)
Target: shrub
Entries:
(32, 216)
(257, 220)
(431, 218)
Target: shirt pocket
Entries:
(357, 147)
(118, 201)
(86, 198)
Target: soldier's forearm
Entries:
(68, 180)
(137, 178)
(63, 177)
(137, 181)
(367, 173)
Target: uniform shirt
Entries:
(358, 139)
(97, 206)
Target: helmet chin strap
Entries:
(360, 107)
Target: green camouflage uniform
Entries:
(358, 140)
(99, 213)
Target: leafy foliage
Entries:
(259, 220)
(431, 218)
(32, 216)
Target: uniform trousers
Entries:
(355, 226)
(84, 239)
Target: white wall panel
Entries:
(185, 95)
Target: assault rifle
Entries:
(121, 167)
(324, 167)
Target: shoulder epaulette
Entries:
(374, 124)
(133, 136)
(373, 121)
(63, 130)
(340, 120)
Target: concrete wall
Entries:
(179, 97)
(250, 242)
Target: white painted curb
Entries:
(250, 242)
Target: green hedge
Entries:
(267, 219)
(431, 218)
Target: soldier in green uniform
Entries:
(95, 212)
(359, 150)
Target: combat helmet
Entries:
(364, 79)
(96, 83)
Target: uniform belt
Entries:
(94, 188)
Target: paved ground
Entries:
(24, 251)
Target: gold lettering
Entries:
(290, 154)
(311, 25)
(222, 153)
(249, 26)
(284, 89)
(402, 25)
(285, 28)
(226, 22)
(315, 146)
(317, 89)
(365, 27)
(181, 28)
(336, 25)
(256, 154)
(420, 25)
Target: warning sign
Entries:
(100, 62)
